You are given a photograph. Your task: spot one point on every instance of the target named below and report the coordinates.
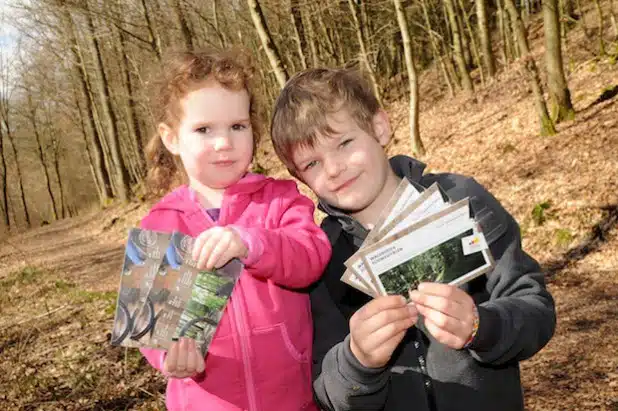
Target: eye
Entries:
(346, 142)
(202, 130)
(310, 165)
(239, 127)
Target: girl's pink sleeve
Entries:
(295, 253)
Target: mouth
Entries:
(345, 184)
(223, 163)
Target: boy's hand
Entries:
(378, 327)
(216, 246)
(448, 310)
(183, 359)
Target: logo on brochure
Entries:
(147, 238)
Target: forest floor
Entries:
(58, 282)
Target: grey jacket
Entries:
(517, 318)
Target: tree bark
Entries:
(101, 170)
(37, 136)
(415, 136)
(111, 122)
(476, 54)
(363, 49)
(20, 181)
(267, 42)
(299, 32)
(5, 192)
(466, 81)
(132, 116)
(484, 35)
(187, 34)
(155, 40)
(561, 107)
(547, 126)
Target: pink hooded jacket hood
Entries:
(260, 357)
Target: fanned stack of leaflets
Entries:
(419, 237)
(163, 296)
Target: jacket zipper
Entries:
(240, 326)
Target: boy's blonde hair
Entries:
(302, 109)
(182, 73)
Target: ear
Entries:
(382, 127)
(168, 137)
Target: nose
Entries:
(222, 142)
(332, 166)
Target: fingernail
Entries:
(403, 299)
(414, 294)
(412, 309)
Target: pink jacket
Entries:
(260, 357)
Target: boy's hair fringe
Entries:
(301, 111)
(180, 73)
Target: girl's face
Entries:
(214, 138)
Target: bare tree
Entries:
(547, 126)
(364, 56)
(561, 107)
(267, 42)
(483, 29)
(415, 136)
(111, 121)
(466, 81)
(299, 32)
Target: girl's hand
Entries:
(216, 246)
(449, 312)
(183, 359)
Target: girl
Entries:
(259, 358)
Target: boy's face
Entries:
(348, 169)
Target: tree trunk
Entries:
(561, 107)
(56, 162)
(436, 54)
(267, 42)
(215, 14)
(111, 122)
(187, 34)
(299, 32)
(20, 180)
(5, 192)
(547, 126)
(415, 136)
(484, 35)
(466, 81)
(81, 73)
(132, 116)
(363, 49)
(155, 40)
(311, 39)
(91, 163)
(475, 50)
(37, 136)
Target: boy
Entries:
(330, 132)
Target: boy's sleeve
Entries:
(294, 253)
(341, 383)
(519, 318)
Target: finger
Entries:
(379, 320)
(200, 363)
(191, 356)
(443, 321)
(447, 291)
(379, 337)
(380, 304)
(181, 363)
(199, 244)
(207, 248)
(438, 303)
(222, 246)
(169, 365)
(443, 336)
